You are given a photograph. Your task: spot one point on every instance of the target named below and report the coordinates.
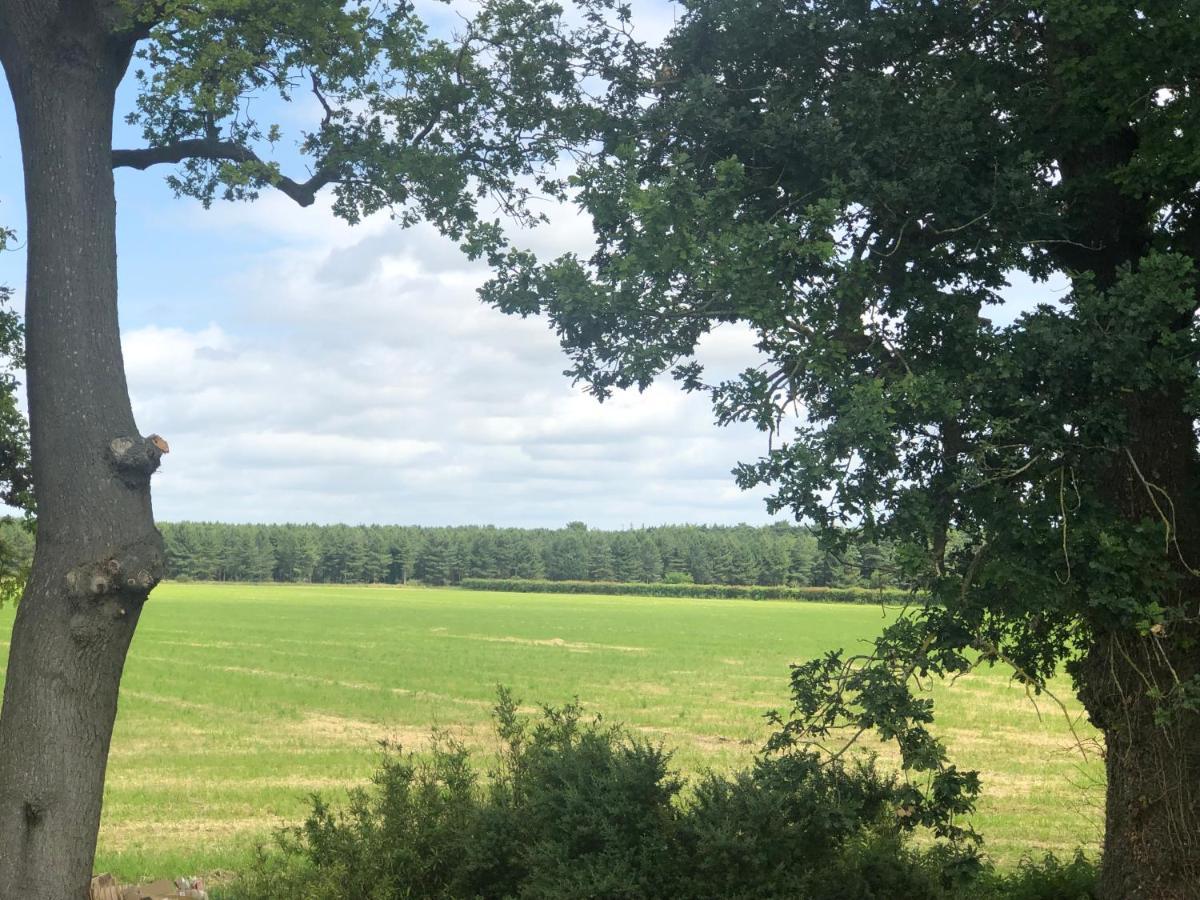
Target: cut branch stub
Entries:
(135, 459)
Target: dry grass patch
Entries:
(650, 688)
(192, 784)
(1015, 742)
(176, 702)
(266, 673)
(575, 646)
(122, 835)
(343, 731)
(216, 645)
(708, 743)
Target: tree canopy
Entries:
(859, 182)
(856, 180)
(419, 116)
(424, 115)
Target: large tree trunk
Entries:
(1136, 686)
(98, 553)
(1152, 808)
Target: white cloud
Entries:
(356, 377)
(304, 369)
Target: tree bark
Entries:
(1130, 682)
(98, 553)
(1152, 804)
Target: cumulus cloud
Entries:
(303, 369)
(352, 375)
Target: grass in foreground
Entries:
(241, 700)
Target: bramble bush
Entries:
(577, 807)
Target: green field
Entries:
(239, 700)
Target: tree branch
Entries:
(303, 192)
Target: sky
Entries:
(306, 370)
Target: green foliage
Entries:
(16, 481)
(1048, 879)
(831, 693)
(857, 183)
(410, 117)
(579, 808)
(892, 596)
(16, 556)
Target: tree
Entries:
(483, 553)
(627, 562)
(378, 557)
(599, 557)
(566, 556)
(354, 555)
(857, 182)
(741, 568)
(699, 563)
(529, 562)
(295, 553)
(650, 561)
(404, 555)
(434, 565)
(254, 556)
(773, 559)
(408, 122)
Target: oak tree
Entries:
(857, 181)
(423, 123)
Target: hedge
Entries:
(889, 596)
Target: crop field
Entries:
(239, 701)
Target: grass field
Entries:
(240, 700)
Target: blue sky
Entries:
(304, 370)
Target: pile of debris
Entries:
(105, 887)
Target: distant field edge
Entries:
(886, 596)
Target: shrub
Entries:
(794, 827)
(892, 596)
(577, 807)
(1047, 879)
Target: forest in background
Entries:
(778, 554)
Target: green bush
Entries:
(580, 808)
(792, 827)
(891, 596)
(1047, 879)
(678, 578)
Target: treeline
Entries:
(777, 554)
